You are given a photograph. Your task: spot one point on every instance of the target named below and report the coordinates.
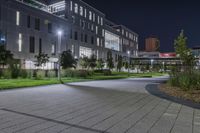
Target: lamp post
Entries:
(128, 52)
(59, 53)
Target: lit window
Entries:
(76, 8)
(53, 49)
(17, 18)
(71, 5)
(85, 13)
(90, 15)
(96, 29)
(81, 10)
(94, 17)
(101, 21)
(85, 52)
(20, 43)
(98, 20)
(98, 41)
(103, 32)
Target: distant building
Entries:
(196, 51)
(152, 44)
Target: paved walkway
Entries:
(117, 106)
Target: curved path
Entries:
(113, 106)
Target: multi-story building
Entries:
(29, 27)
(152, 44)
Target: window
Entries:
(93, 17)
(81, 37)
(90, 15)
(76, 8)
(28, 21)
(81, 10)
(20, 43)
(92, 40)
(92, 27)
(75, 35)
(53, 49)
(96, 29)
(85, 52)
(49, 27)
(17, 18)
(32, 44)
(40, 45)
(72, 49)
(71, 32)
(98, 41)
(85, 13)
(37, 24)
(71, 6)
(103, 32)
(101, 21)
(86, 38)
(112, 41)
(98, 20)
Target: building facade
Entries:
(29, 27)
(152, 44)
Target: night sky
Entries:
(160, 18)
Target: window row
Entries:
(74, 7)
(37, 22)
(32, 46)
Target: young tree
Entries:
(41, 59)
(84, 62)
(92, 61)
(183, 52)
(67, 60)
(109, 60)
(100, 64)
(5, 56)
(119, 63)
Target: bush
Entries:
(51, 73)
(186, 81)
(38, 74)
(1, 73)
(107, 72)
(23, 73)
(7, 74)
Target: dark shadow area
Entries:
(154, 90)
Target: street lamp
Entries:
(129, 53)
(59, 32)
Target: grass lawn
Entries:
(20, 83)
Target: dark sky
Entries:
(161, 18)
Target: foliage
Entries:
(5, 55)
(125, 64)
(84, 62)
(186, 81)
(67, 60)
(183, 52)
(41, 59)
(23, 73)
(92, 61)
(109, 60)
(119, 63)
(100, 64)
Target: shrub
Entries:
(23, 73)
(7, 74)
(107, 72)
(1, 73)
(39, 74)
(52, 73)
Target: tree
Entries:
(67, 60)
(92, 61)
(41, 59)
(184, 53)
(126, 64)
(119, 63)
(84, 62)
(100, 64)
(109, 60)
(5, 56)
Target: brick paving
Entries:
(115, 106)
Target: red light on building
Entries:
(167, 55)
